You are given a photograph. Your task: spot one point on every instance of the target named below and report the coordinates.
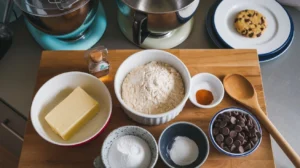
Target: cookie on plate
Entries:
(250, 23)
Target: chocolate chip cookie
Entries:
(250, 23)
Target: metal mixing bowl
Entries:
(156, 18)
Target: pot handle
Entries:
(139, 28)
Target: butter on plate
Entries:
(72, 113)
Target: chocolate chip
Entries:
(248, 147)
(233, 120)
(262, 20)
(251, 34)
(232, 148)
(240, 137)
(236, 19)
(252, 143)
(258, 35)
(261, 28)
(228, 141)
(254, 139)
(252, 133)
(258, 135)
(222, 145)
(242, 133)
(226, 118)
(220, 138)
(226, 149)
(249, 29)
(217, 124)
(215, 131)
(246, 128)
(225, 131)
(238, 128)
(240, 19)
(231, 126)
(246, 10)
(237, 143)
(236, 113)
(241, 149)
(241, 123)
(244, 32)
(223, 124)
(249, 15)
(232, 134)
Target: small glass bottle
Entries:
(98, 64)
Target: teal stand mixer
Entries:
(64, 24)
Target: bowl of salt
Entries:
(129, 146)
(183, 144)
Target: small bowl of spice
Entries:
(129, 146)
(235, 132)
(183, 144)
(207, 91)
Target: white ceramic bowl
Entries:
(144, 57)
(130, 130)
(55, 90)
(209, 82)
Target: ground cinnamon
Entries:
(204, 97)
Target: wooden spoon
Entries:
(240, 89)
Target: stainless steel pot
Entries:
(156, 18)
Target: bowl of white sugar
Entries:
(129, 147)
(152, 86)
(183, 144)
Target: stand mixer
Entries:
(159, 24)
(64, 24)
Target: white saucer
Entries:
(276, 34)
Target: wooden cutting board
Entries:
(38, 153)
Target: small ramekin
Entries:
(208, 82)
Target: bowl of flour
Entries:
(152, 86)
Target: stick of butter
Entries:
(72, 113)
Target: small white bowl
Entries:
(208, 82)
(144, 57)
(58, 88)
(130, 130)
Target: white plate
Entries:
(272, 39)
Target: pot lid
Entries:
(158, 6)
(49, 7)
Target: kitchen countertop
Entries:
(18, 70)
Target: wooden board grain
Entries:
(37, 152)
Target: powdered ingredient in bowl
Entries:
(184, 151)
(153, 88)
(204, 97)
(129, 152)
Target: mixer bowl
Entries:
(156, 18)
(59, 19)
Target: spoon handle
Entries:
(284, 145)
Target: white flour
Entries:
(153, 88)
(184, 151)
(129, 152)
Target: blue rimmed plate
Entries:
(273, 39)
(218, 42)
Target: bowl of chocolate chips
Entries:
(235, 132)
